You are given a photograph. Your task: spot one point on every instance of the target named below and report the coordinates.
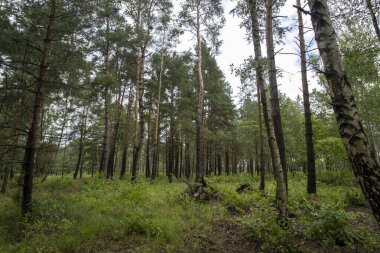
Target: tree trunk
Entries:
(275, 104)
(51, 165)
(34, 130)
(374, 19)
(176, 164)
(181, 167)
(234, 162)
(170, 145)
(147, 164)
(219, 160)
(199, 170)
(80, 151)
(261, 162)
(311, 177)
(187, 161)
(139, 137)
(105, 146)
(115, 131)
(126, 136)
(6, 175)
(8, 171)
(366, 169)
(227, 165)
(79, 159)
(157, 123)
(281, 193)
(256, 32)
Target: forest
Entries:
(112, 139)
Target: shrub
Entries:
(329, 225)
(337, 178)
(355, 198)
(270, 235)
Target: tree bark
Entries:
(374, 19)
(126, 135)
(147, 153)
(257, 46)
(187, 161)
(157, 123)
(275, 104)
(176, 163)
(105, 146)
(139, 136)
(227, 165)
(80, 150)
(366, 169)
(6, 175)
(261, 162)
(115, 131)
(311, 176)
(170, 145)
(281, 193)
(34, 130)
(199, 170)
(219, 162)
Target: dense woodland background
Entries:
(96, 91)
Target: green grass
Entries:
(89, 214)
(98, 215)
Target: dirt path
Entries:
(225, 237)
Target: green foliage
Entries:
(85, 215)
(271, 236)
(343, 177)
(330, 150)
(329, 225)
(355, 198)
(97, 215)
(10, 215)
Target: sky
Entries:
(235, 49)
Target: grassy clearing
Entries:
(92, 215)
(96, 215)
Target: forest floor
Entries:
(98, 215)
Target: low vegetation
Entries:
(94, 215)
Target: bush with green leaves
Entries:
(337, 178)
(271, 236)
(329, 224)
(355, 198)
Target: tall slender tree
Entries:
(201, 16)
(147, 16)
(157, 118)
(255, 29)
(366, 169)
(281, 192)
(34, 129)
(311, 177)
(274, 98)
(126, 134)
(374, 18)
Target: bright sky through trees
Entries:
(235, 49)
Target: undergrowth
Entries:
(98, 215)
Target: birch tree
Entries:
(281, 193)
(366, 169)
